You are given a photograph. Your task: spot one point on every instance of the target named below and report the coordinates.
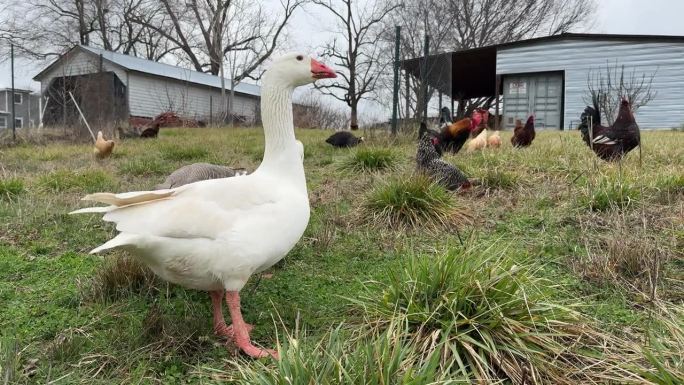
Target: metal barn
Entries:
(548, 76)
(114, 87)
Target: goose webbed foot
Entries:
(241, 329)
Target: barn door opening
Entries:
(540, 94)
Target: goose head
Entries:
(297, 69)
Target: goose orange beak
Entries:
(321, 71)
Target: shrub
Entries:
(370, 159)
(11, 188)
(411, 202)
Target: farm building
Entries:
(549, 76)
(26, 109)
(110, 86)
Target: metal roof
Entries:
(132, 63)
(471, 73)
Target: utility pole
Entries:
(395, 95)
(14, 120)
(424, 77)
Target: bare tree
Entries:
(416, 19)
(358, 51)
(478, 23)
(42, 28)
(200, 30)
(607, 86)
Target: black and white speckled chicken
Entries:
(428, 161)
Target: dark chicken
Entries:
(453, 136)
(610, 143)
(523, 135)
(428, 161)
(343, 139)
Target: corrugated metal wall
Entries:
(80, 63)
(150, 95)
(577, 57)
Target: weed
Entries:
(411, 202)
(11, 188)
(370, 159)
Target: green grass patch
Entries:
(492, 315)
(10, 188)
(411, 201)
(370, 159)
(179, 153)
(609, 194)
(145, 167)
(88, 181)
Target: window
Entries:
(3, 122)
(18, 98)
(19, 123)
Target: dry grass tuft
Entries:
(119, 277)
(625, 250)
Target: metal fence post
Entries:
(395, 95)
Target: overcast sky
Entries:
(310, 28)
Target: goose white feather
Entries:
(214, 234)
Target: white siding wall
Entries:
(577, 57)
(148, 96)
(80, 63)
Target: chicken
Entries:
(484, 119)
(197, 172)
(610, 143)
(428, 161)
(523, 135)
(479, 142)
(103, 148)
(453, 136)
(343, 139)
(150, 132)
(494, 140)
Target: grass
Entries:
(411, 201)
(11, 188)
(370, 159)
(555, 250)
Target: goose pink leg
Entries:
(220, 327)
(241, 331)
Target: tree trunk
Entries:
(354, 121)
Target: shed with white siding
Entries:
(548, 76)
(138, 88)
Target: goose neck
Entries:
(276, 112)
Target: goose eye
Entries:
(300, 57)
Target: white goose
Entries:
(214, 234)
